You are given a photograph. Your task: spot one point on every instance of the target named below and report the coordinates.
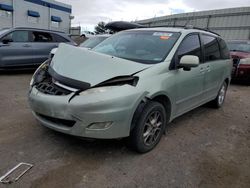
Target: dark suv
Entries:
(26, 47)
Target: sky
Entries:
(88, 13)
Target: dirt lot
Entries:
(203, 148)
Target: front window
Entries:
(239, 46)
(18, 36)
(92, 42)
(147, 47)
(190, 46)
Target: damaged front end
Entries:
(47, 81)
(74, 107)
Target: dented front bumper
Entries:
(75, 116)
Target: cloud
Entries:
(216, 4)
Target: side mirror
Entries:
(189, 61)
(6, 40)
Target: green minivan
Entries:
(132, 84)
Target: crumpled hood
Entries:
(91, 67)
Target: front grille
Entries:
(63, 122)
(50, 88)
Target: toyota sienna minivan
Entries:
(132, 84)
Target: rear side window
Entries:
(211, 47)
(224, 52)
(59, 38)
(41, 37)
(18, 36)
(190, 46)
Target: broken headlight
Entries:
(120, 80)
(112, 83)
(96, 90)
(41, 73)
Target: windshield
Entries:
(92, 42)
(2, 31)
(239, 46)
(147, 47)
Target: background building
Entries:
(232, 23)
(43, 14)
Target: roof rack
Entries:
(38, 29)
(191, 27)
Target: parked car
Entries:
(25, 47)
(240, 52)
(88, 34)
(94, 41)
(132, 84)
(88, 44)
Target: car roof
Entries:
(175, 29)
(37, 29)
(240, 41)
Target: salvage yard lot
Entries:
(203, 148)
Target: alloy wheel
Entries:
(222, 94)
(152, 128)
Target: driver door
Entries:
(18, 51)
(189, 85)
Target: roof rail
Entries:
(203, 29)
(191, 27)
(38, 29)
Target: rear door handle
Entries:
(202, 70)
(26, 45)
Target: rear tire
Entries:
(219, 100)
(149, 127)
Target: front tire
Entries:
(149, 127)
(219, 100)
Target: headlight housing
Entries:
(245, 61)
(52, 53)
(40, 72)
(97, 90)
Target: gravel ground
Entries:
(203, 148)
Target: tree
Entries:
(100, 28)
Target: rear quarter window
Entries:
(38, 36)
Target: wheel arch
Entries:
(161, 98)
